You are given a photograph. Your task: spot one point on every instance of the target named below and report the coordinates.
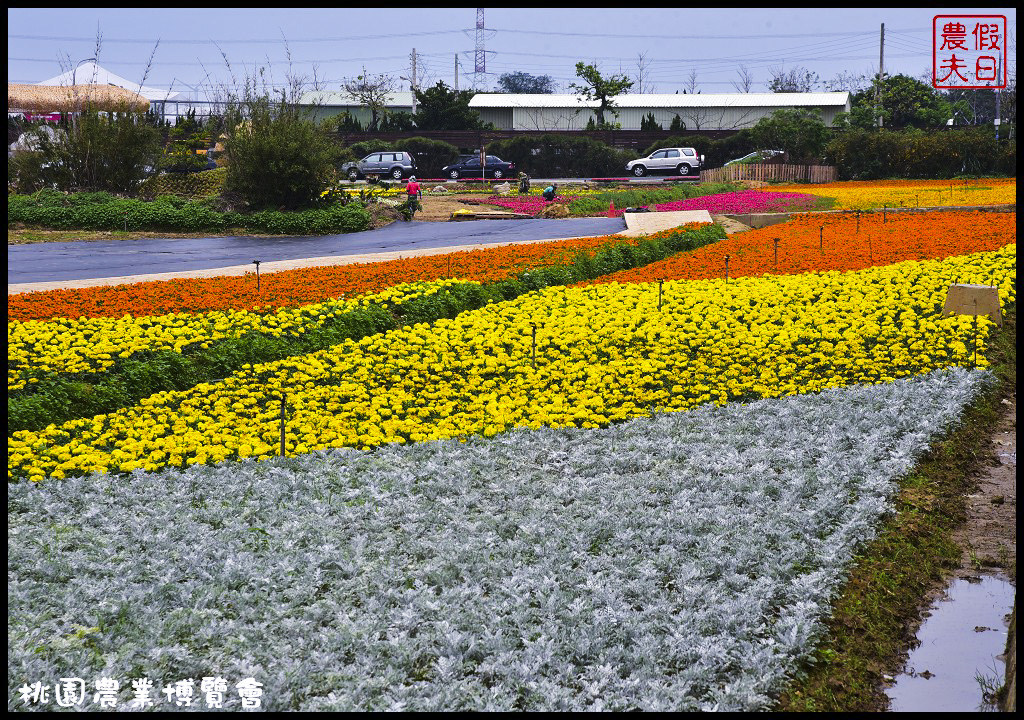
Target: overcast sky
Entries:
(675, 46)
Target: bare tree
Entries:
(797, 80)
(746, 80)
(690, 86)
(642, 72)
(373, 91)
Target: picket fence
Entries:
(771, 171)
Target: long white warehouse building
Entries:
(713, 111)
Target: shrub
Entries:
(104, 212)
(559, 156)
(277, 156)
(196, 185)
(911, 153)
(96, 151)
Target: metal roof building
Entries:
(329, 104)
(713, 111)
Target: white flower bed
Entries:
(681, 562)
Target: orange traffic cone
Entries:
(611, 209)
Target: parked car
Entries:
(395, 163)
(674, 161)
(469, 166)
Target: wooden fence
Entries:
(770, 171)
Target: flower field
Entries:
(652, 565)
(826, 242)
(865, 194)
(291, 288)
(600, 489)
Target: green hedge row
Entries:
(102, 211)
(883, 154)
(58, 400)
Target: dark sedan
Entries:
(469, 166)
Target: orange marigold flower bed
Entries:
(843, 245)
(295, 287)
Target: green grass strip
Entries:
(868, 631)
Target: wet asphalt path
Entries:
(60, 261)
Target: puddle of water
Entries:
(959, 641)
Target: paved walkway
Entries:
(45, 266)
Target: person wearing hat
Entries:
(412, 189)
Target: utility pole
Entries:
(456, 72)
(999, 77)
(881, 73)
(412, 81)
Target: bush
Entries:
(53, 209)
(95, 151)
(277, 156)
(911, 153)
(196, 185)
(431, 155)
(560, 156)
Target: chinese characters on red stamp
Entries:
(969, 51)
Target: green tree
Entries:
(522, 82)
(441, 108)
(601, 89)
(278, 157)
(800, 133)
(99, 150)
(649, 123)
(903, 102)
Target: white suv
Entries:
(675, 161)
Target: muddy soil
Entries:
(989, 535)
(440, 206)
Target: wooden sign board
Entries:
(962, 299)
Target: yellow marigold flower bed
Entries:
(866, 194)
(90, 345)
(604, 353)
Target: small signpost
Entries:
(964, 299)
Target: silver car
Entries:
(675, 161)
(394, 163)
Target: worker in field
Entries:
(550, 191)
(524, 184)
(414, 193)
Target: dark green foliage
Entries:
(800, 133)
(904, 103)
(649, 123)
(277, 156)
(96, 151)
(441, 108)
(104, 212)
(881, 154)
(57, 400)
(522, 82)
(345, 123)
(398, 121)
(431, 155)
(561, 156)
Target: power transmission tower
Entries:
(480, 68)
